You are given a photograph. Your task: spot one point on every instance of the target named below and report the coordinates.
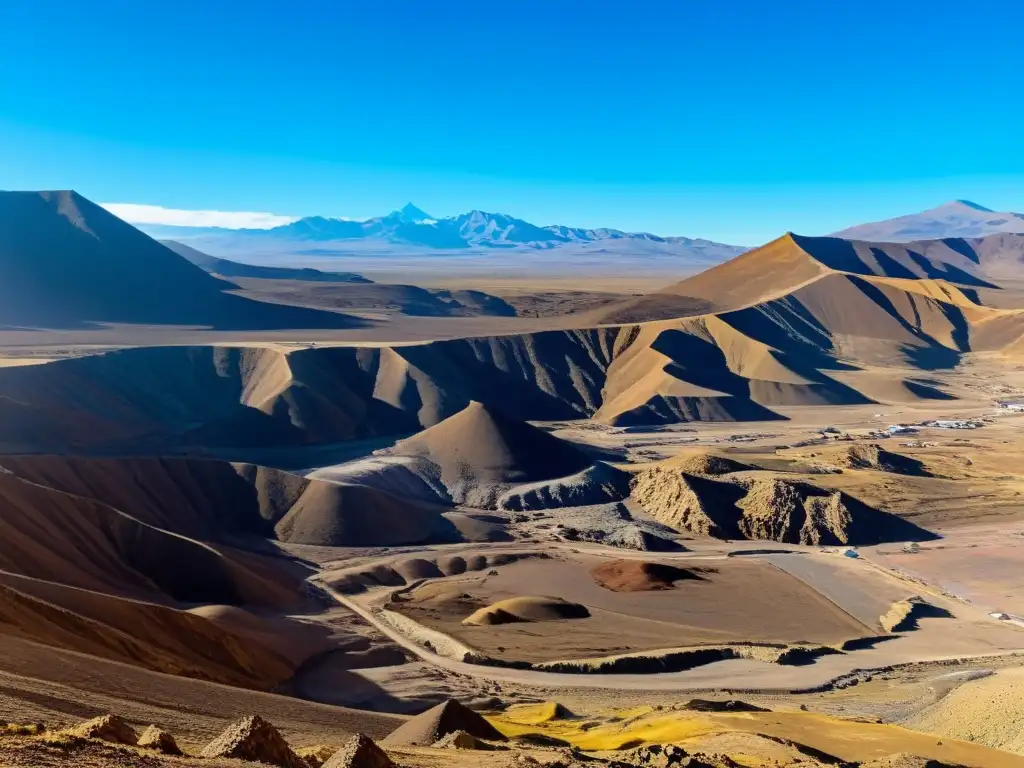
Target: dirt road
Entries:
(735, 674)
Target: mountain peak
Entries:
(957, 218)
(410, 225)
(967, 204)
(410, 214)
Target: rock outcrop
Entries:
(253, 738)
(360, 752)
(112, 728)
(160, 740)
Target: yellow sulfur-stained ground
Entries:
(712, 731)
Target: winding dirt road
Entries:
(734, 674)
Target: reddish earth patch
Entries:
(640, 576)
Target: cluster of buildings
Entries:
(906, 429)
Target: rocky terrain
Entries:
(285, 516)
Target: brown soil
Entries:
(738, 365)
(92, 593)
(722, 607)
(212, 500)
(526, 609)
(197, 498)
(360, 752)
(480, 445)
(869, 456)
(110, 728)
(640, 576)
(751, 277)
(149, 635)
(62, 688)
(434, 724)
(688, 502)
(60, 537)
(552, 303)
(402, 571)
(254, 739)
(160, 740)
(794, 260)
(988, 711)
(335, 515)
(710, 464)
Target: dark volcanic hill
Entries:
(67, 262)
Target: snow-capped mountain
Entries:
(957, 218)
(410, 228)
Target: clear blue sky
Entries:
(727, 119)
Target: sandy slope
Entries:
(61, 537)
(987, 711)
(790, 320)
(134, 583)
(60, 687)
(333, 514)
(92, 549)
(770, 270)
(480, 453)
(736, 366)
(144, 634)
(209, 500)
(198, 498)
(493, 447)
(479, 458)
(792, 261)
(952, 271)
(69, 263)
(769, 328)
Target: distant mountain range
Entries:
(958, 218)
(412, 228)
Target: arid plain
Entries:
(769, 511)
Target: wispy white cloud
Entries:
(155, 214)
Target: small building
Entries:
(900, 429)
(954, 424)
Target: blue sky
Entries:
(731, 120)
